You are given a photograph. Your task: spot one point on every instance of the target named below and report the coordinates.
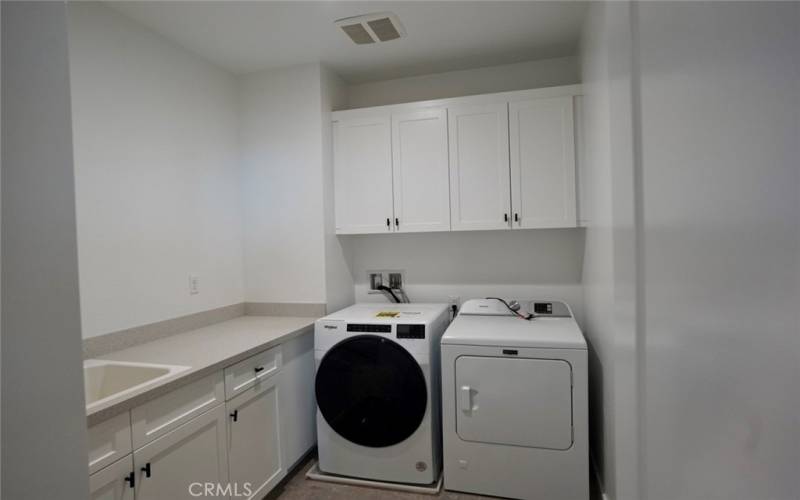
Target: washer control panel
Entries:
(367, 328)
(410, 331)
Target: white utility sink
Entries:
(107, 380)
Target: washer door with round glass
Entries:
(371, 391)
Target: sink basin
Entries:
(107, 380)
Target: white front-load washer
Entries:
(378, 391)
(514, 402)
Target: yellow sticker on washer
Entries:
(387, 314)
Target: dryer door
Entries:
(514, 401)
(371, 391)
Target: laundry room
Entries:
(400, 249)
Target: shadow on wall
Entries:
(525, 257)
(597, 438)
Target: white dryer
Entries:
(514, 402)
(378, 391)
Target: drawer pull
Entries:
(258, 369)
(235, 415)
(131, 479)
(146, 469)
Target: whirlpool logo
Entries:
(220, 490)
(330, 327)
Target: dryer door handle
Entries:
(466, 398)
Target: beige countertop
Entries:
(205, 350)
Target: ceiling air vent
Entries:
(371, 28)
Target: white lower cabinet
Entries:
(181, 463)
(298, 402)
(254, 447)
(114, 482)
(193, 443)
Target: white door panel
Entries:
(514, 401)
(419, 165)
(254, 448)
(113, 482)
(542, 140)
(193, 453)
(363, 175)
(480, 191)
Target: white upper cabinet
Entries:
(419, 166)
(495, 161)
(542, 163)
(480, 195)
(362, 151)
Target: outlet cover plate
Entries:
(384, 278)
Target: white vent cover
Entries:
(371, 28)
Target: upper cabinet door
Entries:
(421, 179)
(362, 152)
(542, 163)
(480, 192)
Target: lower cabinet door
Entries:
(114, 482)
(187, 463)
(254, 448)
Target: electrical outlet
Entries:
(194, 284)
(392, 278)
(375, 280)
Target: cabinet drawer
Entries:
(161, 415)
(246, 373)
(109, 441)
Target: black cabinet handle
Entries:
(388, 222)
(258, 369)
(235, 415)
(397, 222)
(146, 469)
(505, 217)
(516, 217)
(131, 478)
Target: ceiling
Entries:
(244, 37)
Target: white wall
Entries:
(609, 271)
(531, 264)
(157, 179)
(339, 289)
(520, 76)
(281, 141)
(720, 101)
(691, 108)
(43, 413)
